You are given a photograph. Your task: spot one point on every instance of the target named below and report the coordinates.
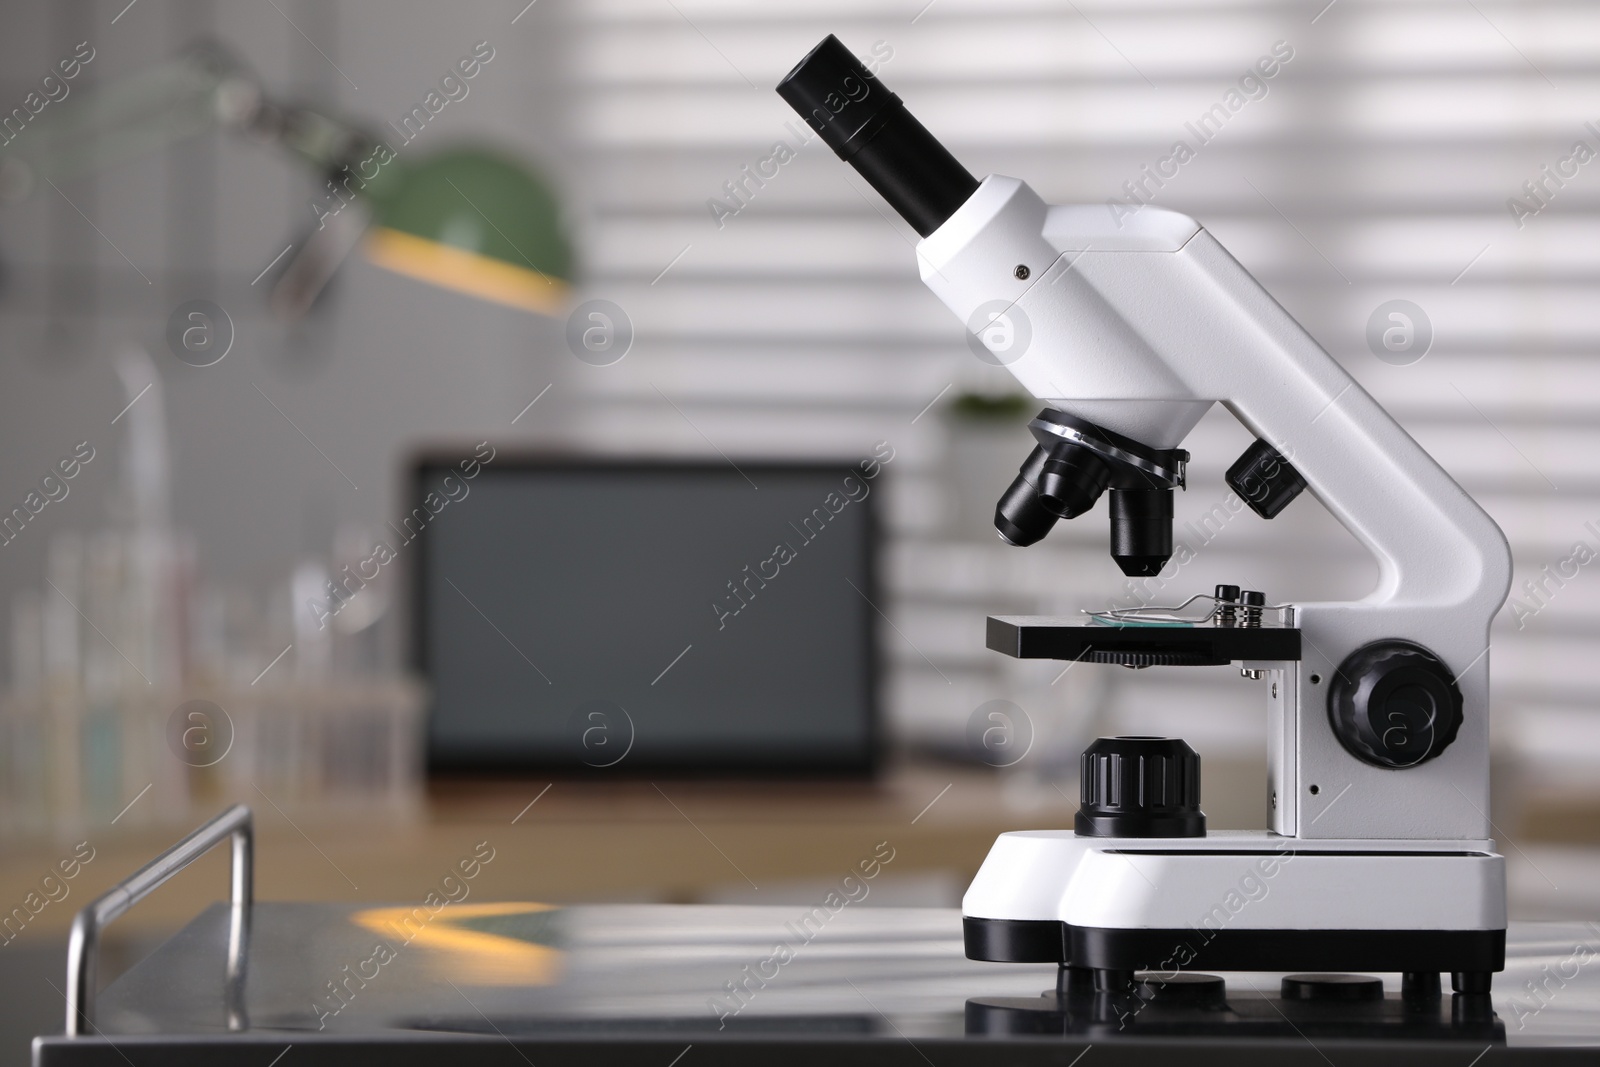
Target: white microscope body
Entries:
(1140, 328)
(1378, 857)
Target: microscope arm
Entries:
(1141, 329)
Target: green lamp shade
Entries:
(476, 222)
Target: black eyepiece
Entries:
(868, 127)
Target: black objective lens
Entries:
(1021, 517)
(1072, 480)
(868, 127)
(1062, 482)
(1141, 530)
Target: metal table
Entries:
(519, 982)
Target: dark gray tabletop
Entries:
(519, 983)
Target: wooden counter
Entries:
(567, 841)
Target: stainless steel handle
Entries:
(235, 823)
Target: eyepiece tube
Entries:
(869, 128)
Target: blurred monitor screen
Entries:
(640, 617)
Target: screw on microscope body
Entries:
(1021, 273)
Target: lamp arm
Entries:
(206, 88)
(201, 89)
(325, 142)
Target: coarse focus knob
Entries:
(1394, 704)
(1140, 787)
(1265, 480)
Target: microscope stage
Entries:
(1067, 638)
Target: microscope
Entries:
(1378, 857)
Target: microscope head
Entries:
(1076, 460)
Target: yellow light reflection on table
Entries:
(471, 955)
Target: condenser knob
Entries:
(1394, 704)
(1140, 787)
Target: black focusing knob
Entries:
(1140, 787)
(1264, 479)
(1394, 704)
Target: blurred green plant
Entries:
(991, 407)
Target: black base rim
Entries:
(1204, 949)
(1139, 824)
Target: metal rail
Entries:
(81, 949)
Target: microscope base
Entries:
(1240, 902)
